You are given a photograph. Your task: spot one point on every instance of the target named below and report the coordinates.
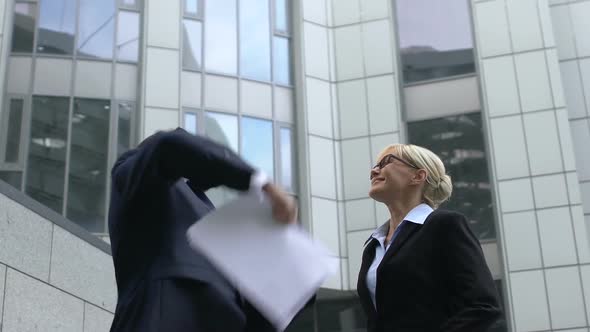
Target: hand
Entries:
(284, 208)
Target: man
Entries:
(157, 193)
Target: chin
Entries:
(376, 194)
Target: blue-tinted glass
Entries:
(190, 122)
(255, 39)
(96, 28)
(128, 36)
(88, 163)
(281, 57)
(23, 29)
(222, 128)
(281, 15)
(287, 160)
(191, 38)
(257, 144)
(124, 128)
(435, 38)
(458, 141)
(221, 41)
(57, 23)
(47, 151)
(191, 7)
(14, 128)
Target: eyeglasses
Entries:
(388, 159)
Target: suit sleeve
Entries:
(474, 301)
(165, 157)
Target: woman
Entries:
(423, 270)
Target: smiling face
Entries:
(392, 176)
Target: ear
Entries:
(420, 176)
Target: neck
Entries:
(398, 209)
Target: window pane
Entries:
(12, 178)
(435, 38)
(126, 111)
(97, 27)
(88, 163)
(57, 23)
(221, 36)
(191, 48)
(130, 3)
(23, 29)
(257, 144)
(287, 160)
(458, 141)
(281, 16)
(222, 128)
(128, 36)
(190, 123)
(14, 127)
(47, 151)
(282, 69)
(255, 39)
(191, 7)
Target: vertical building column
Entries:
(160, 84)
(533, 165)
(5, 23)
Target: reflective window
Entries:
(191, 47)
(12, 178)
(15, 114)
(130, 3)
(458, 141)
(23, 29)
(88, 163)
(191, 7)
(96, 28)
(281, 15)
(190, 122)
(128, 36)
(435, 38)
(124, 128)
(47, 151)
(222, 128)
(221, 36)
(255, 39)
(281, 63)
(287, 179)
(257, 144)
(57, 24)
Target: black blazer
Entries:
(151, 208)
(432, 278)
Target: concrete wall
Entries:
(50, 278)
(541, 224)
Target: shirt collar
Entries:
(417, 215)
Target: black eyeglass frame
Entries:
(388, 159)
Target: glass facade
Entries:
(435, 39)
(60, 141)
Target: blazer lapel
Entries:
(361, 287)
(406, 231)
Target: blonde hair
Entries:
(438, 186)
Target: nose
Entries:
(374, 172)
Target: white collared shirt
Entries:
(417, 215)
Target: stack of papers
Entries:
(276, 267)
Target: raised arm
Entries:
(165, 157)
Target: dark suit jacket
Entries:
(432, 278)
(161, 281)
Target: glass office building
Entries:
(308, 91)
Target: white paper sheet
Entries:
(276, 267)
